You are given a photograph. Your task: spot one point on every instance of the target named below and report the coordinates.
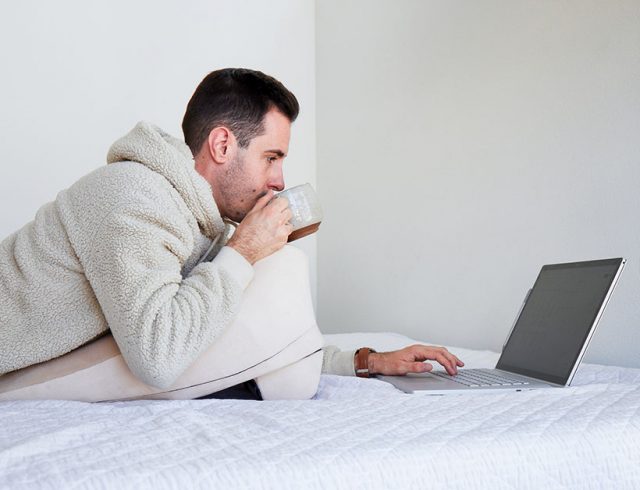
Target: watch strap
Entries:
(362, 361)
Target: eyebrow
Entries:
(280, 153)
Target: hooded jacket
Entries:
(118, 250)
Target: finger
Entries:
(283, 200)
(263, 200)
(414, 367)
(288, 229)
(419, 352)
(424, 352)
(455, 360)
(279, 203)
(420, 367)
(399, 367)
(446, 363)
(286, 215)
(452, 361)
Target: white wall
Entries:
(461, 145)
(77, 75)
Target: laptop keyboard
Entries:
(476, 378)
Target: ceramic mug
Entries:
(306, 210)
(306, 219)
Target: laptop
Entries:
(548, 339)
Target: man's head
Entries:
(237, 125)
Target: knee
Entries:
(297, 381)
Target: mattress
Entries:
(356, 433)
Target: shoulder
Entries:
(124, 178)
(123, 185)
(126, 199)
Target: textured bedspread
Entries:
(355, 434)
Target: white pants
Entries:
(274, 339)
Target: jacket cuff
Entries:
(338, 362)
(235, 264)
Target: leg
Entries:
(297, 381)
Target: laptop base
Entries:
(430, 384)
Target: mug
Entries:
(306, 210)
(306, 219)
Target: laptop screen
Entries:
(557, 319)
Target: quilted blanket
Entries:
(355, 433)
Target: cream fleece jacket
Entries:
(118, 250)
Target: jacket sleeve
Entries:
(160, 320)
(335, 361)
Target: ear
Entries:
(221, 144)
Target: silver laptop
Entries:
(548, 339)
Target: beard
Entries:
(238, 194)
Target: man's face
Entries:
(255, 169)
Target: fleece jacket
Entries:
(118, 250)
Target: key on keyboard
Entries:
(478, 377)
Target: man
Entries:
(118, 250)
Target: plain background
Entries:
(464, 144)
(461, 144)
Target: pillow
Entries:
(275, 328)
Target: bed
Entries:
(355, 433)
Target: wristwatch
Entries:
(362, 361)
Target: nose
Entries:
(276, 179)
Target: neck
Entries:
(207, 169)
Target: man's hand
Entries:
(409, 360)
(264, 230)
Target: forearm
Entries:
(162, 330)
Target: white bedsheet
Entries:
(356, 434)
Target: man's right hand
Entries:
(264, 230)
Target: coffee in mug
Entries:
(306, 210)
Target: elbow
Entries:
(156, 376)
(155, 363)
(156, 371)
(160, 345)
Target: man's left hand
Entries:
(410, 360)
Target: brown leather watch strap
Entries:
(362, 362)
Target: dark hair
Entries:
(237, 98)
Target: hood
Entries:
(170, 157)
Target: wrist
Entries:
(373, 362)
(362, 362)
(234, 244)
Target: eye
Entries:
(271, 159)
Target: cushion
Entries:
(275, 327)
